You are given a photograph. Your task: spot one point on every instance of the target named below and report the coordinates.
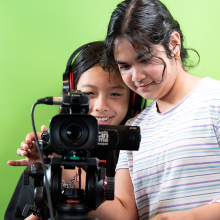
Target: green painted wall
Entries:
(37, 38)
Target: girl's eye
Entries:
(146, 60)
(115, 94)
(125, 67)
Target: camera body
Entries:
(77, 131)
(82, 132)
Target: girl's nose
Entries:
(101, 105)
(138, 75)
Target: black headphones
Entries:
(137, 103)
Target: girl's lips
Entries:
(144, 87)
(104, 121)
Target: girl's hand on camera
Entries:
(28, 149)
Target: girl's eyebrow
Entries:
(112, 87)
(88, 85)
(119, 62)
(117, 87)
(138, 57)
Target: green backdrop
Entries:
(36, 40)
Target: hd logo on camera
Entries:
(103, 137)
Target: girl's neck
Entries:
(183, 85)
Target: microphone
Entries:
(76, 101)
(50, 100)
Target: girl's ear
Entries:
(175, 43)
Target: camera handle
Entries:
(74, 203)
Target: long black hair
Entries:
(145, 23)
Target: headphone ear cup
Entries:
(66, 82)
(136, 102)
(132, 98)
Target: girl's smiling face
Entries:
(108, 102)
(144, 73)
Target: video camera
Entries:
(77, 131)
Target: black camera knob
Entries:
(39, 196)
(110, 188)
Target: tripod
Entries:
(72, 203)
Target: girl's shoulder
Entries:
(210, 83)
(209, 87)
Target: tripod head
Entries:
(73, 203)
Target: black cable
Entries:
(43, 164)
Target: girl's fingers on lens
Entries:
(43, 128)
(30, 137)
(21, 152)
(25, 146)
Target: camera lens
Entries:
(74, 132)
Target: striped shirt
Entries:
(177, 166)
